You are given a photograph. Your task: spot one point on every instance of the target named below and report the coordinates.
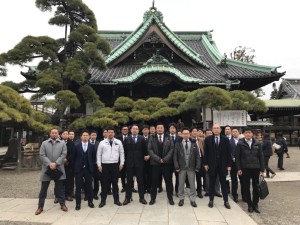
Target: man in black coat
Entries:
(147, 166)
(233, 172)
(83, 168)
(250, 164)
(136, 151)
(96, 173)
(217, 161)
(161, 149)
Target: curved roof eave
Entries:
(157, 68)
(217, 57)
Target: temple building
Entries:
(154, 61)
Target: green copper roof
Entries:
(149, 18)
(284, 103)
(218, 57)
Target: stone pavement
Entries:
(22, 210)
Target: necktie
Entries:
(146, 138)
(110, 142)
(160, 140)
(173, 137)
(186, 145)
(84, 147)
(217, 140)
(134, 139)
(249, 143)
(93, 142)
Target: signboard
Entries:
(233, 118)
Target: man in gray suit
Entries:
(52, 154)
(187, 163)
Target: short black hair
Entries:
(93, 132)
(247, 129)
(227, 126)
(173, 125)
(185, 128)
(64, 130)
(146, 126)
(110, 128)
(124, 125)
(207, 129)
(84, 131)
(192, 128)
(159, 123)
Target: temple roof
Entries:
(193, 58)
(289, 88)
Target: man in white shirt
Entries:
(109, 153)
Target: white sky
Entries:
(271, 27)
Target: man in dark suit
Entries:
(69, 183)
(83, 168)
(161, 149)
(233, 172)
(147, 166)
(217, 161)
(136, 151)
(96, 173)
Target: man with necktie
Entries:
(161, 149)
(147, 166)
(233, 172)
(217, 161)
(83, 169)
(136, 153)
(96, 173)
(186, 163)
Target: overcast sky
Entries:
(271, 27)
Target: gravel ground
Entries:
(281, 207)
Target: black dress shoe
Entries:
(152, 201)
(85, 198)
(77, 207)
(96, 197)
(200, 195)
(218, 195)
(134, 190)
(91, 205)
(118, 203)
(181, 202)
(126, 201)
(160, 189)
(55, 200)
(171, 202)
(123, 190)
(109, 192)
(281, 169)
(255, 208)
(194, 204)
(227, 206)
(211, 204)
(206, 194)
(250, 209)
(235, 199)
(101, 204)
(143, 201)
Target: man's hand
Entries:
(206, 167)
(66, 162)
(228, 168)
(100, 169)
(147, 157)
(177, 171)
(161, 161)
(121, 167)
(240, 172)
(52, 166)
(261, 173)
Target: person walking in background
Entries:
(250, 163)
(267, 150)
(52, 154)
(280, 152)
(187, 163)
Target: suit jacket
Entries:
(78, 157)
(50, 153)
(179, 157)
(70, 148)
(135, 152)
(232, 147)
(210, 154)
(167, 153)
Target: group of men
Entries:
(199, 160)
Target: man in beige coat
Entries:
(52, 154)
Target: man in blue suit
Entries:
(233, 172)
(83, 168)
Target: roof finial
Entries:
(153, 2)
(153, 8)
